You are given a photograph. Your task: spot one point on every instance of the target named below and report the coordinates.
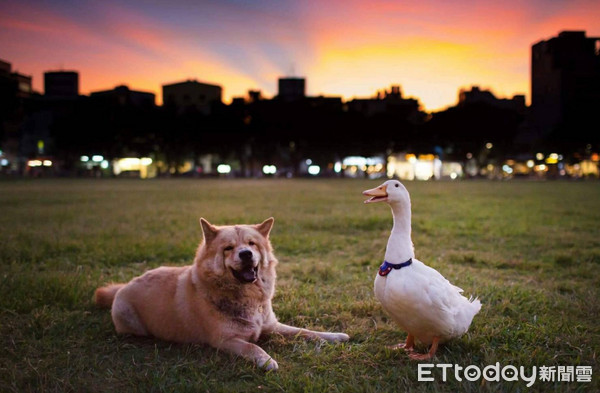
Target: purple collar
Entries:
(387, 267)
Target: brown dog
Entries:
(223, 299)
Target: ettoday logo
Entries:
(496, 373)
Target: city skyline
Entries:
(350, 49)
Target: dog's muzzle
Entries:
(248, 272)
(246, 275)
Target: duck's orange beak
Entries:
(377, 194)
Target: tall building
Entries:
(61, 84)
(15, 91)
(13, 83)
(385, 101)
(124, 96)
(291, 89)
(5, 68)
(191, 95)
(254, 96)
(476, 95)
(565, 87)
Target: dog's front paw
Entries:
(268, 365)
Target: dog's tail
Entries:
(104, 296)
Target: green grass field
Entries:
(529, 250)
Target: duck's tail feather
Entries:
(475, 304)
(467, 312)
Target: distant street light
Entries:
(314, 170)
(269, 169)
(224, 169)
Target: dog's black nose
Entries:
(245, 255)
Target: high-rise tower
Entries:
(565, 87)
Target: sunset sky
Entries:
(345, 48)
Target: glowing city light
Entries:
(84, 158)
(355, 161)
(552, 158)
(223, 169)
(337, 167)
(314, 170)
(269, 169)
(423, 170)
(489, 145)
(129, 163)
(97, 158)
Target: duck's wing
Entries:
(435, 278)
(443, 298)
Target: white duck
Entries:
(417, 297)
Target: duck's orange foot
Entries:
(408, 345)
(428, 355)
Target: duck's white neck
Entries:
(400, 247)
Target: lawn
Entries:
(529, 250)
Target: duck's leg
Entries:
(428, 355)
(408, 345)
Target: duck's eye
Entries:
(251, 243)
(397, 186)
(228, 248)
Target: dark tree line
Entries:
(278, 132)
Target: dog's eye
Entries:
(251, 243)
(228, 248)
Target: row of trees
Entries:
(273, 131)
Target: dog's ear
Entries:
(209, 230)
(264, 228)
